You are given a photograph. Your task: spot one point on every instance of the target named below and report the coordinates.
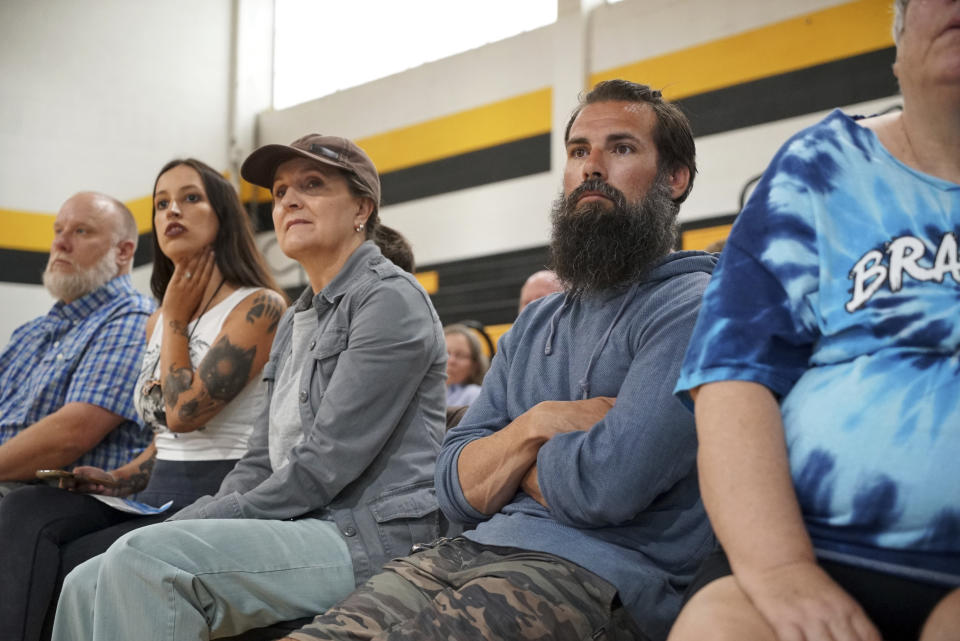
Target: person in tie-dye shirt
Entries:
(825, 367)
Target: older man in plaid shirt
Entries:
(67, 378)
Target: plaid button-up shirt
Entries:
(89, 352)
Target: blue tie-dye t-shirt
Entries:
(839, 289)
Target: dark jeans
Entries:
(45, 532)
(896, 605)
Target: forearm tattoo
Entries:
(138, 480)
(224, 372)
(226, 369)
(265, 307)
(180, 328)
(176, 383)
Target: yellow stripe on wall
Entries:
(253, 193)
(430, 281)
(831, 34)
(478, 128)
(701, 238)
(33, 231)
(495, 332)
(142, 210)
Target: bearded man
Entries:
(575, 466)
(67, 378)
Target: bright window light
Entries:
(322, 46)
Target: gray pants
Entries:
(463, 590)
(203, 579)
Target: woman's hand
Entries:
(93, 480)
(800, 601)
(186, 288)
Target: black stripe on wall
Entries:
(713, 221)
(21, 266)
(144, 254)
(515, 159)
(486, 288)
(262, 214)
(840, 82)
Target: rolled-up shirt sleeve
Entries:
(486, 415)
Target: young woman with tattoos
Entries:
(338, 476)
(199, 388)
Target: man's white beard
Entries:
(70, 287)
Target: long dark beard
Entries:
(596, 246)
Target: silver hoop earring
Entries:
(358, 228)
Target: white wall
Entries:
(98, 94)
(458, 224)
(634, 30)
(513, 214)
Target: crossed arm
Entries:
(561, 453)
(493, 468)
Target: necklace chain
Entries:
(205, 308)
(195, 325)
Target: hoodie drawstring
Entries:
(548, 348)
(584, 383)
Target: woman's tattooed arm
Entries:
(139, 479)
(224, 373)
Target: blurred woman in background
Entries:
(467, 364)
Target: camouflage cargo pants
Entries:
(463, 590)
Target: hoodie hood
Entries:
(672, 265)
(682, 262)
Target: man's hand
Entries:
(549, 418)
(92, 480)
(802, 603)
(492, 468)
(559, 417)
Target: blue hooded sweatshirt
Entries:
(623, 496)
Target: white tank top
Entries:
(225, 435)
